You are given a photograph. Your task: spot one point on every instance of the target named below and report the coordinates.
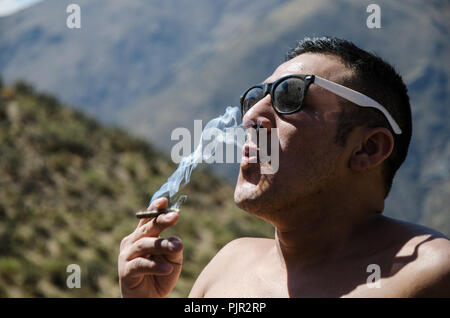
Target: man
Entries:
(336, 165)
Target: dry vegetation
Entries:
(69, 188)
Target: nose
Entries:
(260, 115)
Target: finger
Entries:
(142, 266)
(158, 204)
(139, 232)
(175, 258)
(152, 246)
(155, 226)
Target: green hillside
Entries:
(69, 188)
(187, 60)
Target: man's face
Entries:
(310, 162)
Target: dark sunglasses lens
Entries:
(288, 95)
(251, 98)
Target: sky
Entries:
(8, 7)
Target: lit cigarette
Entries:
(154, 213)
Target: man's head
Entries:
(330, 143)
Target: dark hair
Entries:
(375, 78)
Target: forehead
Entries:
(327, 66)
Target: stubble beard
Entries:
(272, 198)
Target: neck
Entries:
(325, 229)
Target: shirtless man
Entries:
(336, 165)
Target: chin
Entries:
(244, 192)
(252, 198)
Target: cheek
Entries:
(303, 150)
(291, 153)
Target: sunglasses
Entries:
(288, 94)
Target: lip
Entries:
(250, 155)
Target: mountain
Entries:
(69, 189)
(152, 66)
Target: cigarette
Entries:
(154, 213)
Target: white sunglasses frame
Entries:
(347, 93)
(356, 98)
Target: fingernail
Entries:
(169, 215)
(174, 244)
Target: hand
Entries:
(149, 266)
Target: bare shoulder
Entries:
(245, 246)
(233, 256)
(423, 240)
(432, 267)
(256, 244)
(427, 272)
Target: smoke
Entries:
(205, 150)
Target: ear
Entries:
(374, 148)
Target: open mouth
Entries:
(252, 153)
(250, 156)
(257, 152)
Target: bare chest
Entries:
(355, 280)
